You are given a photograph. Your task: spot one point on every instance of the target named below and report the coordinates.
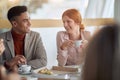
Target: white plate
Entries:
(53, 76)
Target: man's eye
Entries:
(25, 20)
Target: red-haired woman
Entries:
(68, 53)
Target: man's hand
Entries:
(17, 60)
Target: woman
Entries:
(2, 68)
(102, 55)
(2, 48)
(68, 53)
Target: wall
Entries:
(49, 41)
(48, 35)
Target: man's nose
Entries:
(29, 23)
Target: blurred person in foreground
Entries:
(68, 53)
(3, 71)
(101, 54)
(22, 46)
(13, 76)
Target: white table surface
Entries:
(64, 76)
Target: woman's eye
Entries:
(68, 21)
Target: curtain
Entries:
(99, 9)
(116, 74)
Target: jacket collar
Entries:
(11, 43)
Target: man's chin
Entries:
(28, 31)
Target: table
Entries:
(59, 75)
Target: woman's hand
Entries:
(84, 43)
(13, 76)
(3, 73)
(2, 48)
(66, 44)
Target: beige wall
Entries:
(58, 23)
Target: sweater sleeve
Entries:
(62, 54)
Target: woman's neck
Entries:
(75, 36)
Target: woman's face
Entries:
(70, 25)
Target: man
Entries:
(21, 44)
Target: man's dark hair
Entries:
(15, 11)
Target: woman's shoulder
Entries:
(86, 32)
(62, 33)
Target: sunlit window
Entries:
(53, 9)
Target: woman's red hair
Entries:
(75, 15)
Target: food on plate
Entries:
(45, 71)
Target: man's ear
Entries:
(14, 23)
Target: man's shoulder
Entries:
(33, 33)
(4, 33)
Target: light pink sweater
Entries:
(73, 55)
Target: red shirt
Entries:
(18, 40)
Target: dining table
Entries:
(58, 73)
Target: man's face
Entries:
(22, 23)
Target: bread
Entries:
(45, 71)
